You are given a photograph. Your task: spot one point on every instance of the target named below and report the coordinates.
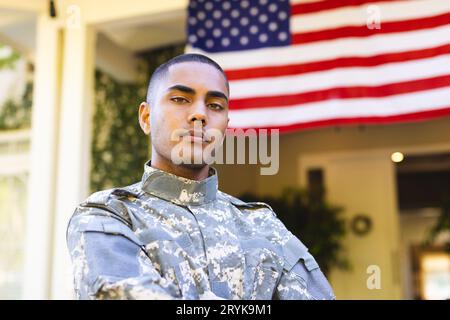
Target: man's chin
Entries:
(193, 165)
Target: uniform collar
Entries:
(177, 189)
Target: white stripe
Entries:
(323, 50)
(334, 109)
(362, 15)
(345, 77)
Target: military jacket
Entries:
(168, 237)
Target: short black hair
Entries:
(162, 70)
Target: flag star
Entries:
(282, 36)
(192, 38)
(235, 13)
(201, 15)
(208, 6)
(244, 21)
(201, 33)
(225, 42)
(263, 18)
(192, 21)
(245, 4)
(226, 5)
(254, 11)
(273, 7)
(282, 15)
(243, 40)
(263, 37)
(217, 32)
(234, 31)
(273, 26)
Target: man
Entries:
(174, 235)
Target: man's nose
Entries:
(198, 113)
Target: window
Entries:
(13, 197)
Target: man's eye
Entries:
(215, 106)
(179, 100)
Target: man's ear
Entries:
(144, 117)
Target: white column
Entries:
(41, 185)
(74, 146)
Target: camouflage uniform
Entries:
(168, 237)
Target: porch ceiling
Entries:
(149, 32)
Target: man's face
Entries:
(191, 102)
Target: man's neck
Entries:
(192, 173)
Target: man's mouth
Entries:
(196, 136)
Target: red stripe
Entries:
(410, 117)
(297, 69)
(342, 93)
(363, 31)
(302, 8)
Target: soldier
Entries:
(174, 235)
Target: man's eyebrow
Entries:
(182, 88)
(217, 94)
(185, 89)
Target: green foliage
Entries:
(17, 115)
(156, 57)
(318, 224)
(442, 225)
(119, 147)
(9, 60)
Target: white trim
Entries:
(41, 182)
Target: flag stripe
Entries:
(364, 31)
(413, 116)
(367, 15)
(330, 64)
(351, 77)
(343, 108)
(333, 49)
(310, 7)
(342, 93)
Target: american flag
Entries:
(302, 64)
